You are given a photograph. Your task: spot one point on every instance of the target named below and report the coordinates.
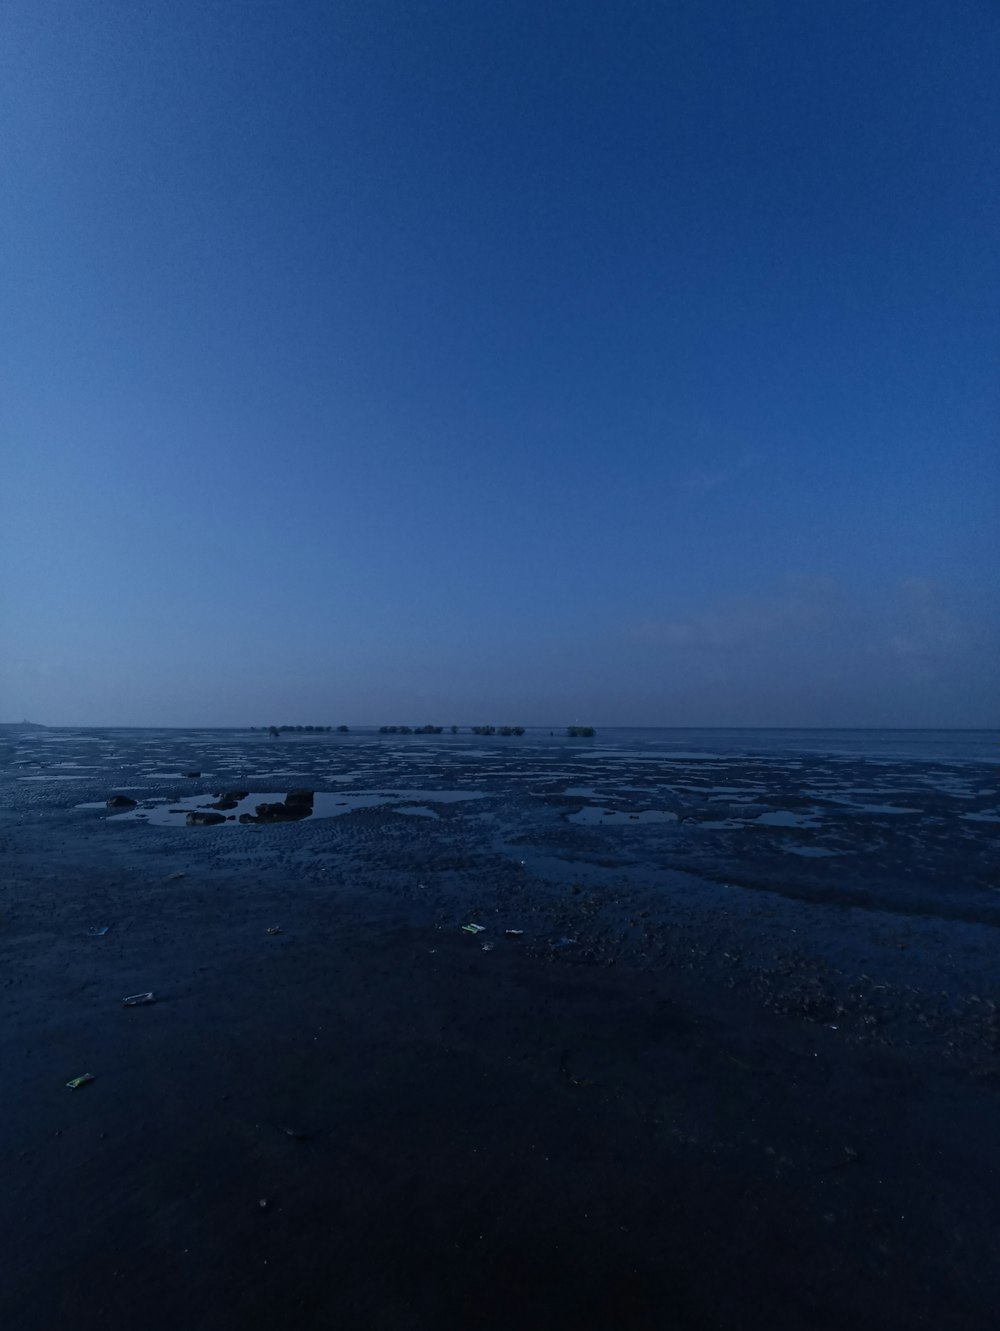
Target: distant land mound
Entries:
(22, 725)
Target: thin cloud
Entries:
(811, 634)
(805, 604)
(703, 480)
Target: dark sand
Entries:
(761, 1089)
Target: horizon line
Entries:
(550, 726)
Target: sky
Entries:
(372, 362)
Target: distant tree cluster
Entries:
(301, 730)
(580, 732)
(413, 730)
(498, 730)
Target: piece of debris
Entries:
(95, 932)
(850, 1157)
(263, 1203)
(138, 1000)
(564, 1069)
(513, 933)
(192, 775)
(474, 928)
(565, 942)
(296, 1134)
(487, 947)
(172, 877)
(76, 1082)
(274, 929)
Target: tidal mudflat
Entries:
(725, 1053)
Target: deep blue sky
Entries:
(524, 362)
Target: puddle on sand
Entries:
(613, 818)
(882, 808)
(326, 804)
(395, 793)
(849, 806)
(785, 818)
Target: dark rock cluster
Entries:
(297, 804)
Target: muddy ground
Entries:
(740, 1070)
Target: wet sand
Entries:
(757, 1089)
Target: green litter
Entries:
(474, 928)
(77, 1082)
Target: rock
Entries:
(297, 804)
(248, 818)
(271, 813)
(196, 818)
(229, 799)
(192, 774)
(121, 802)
